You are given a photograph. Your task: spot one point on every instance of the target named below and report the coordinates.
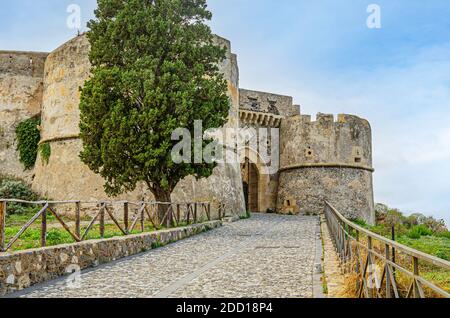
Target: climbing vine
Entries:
(28, 137)
(45, 151)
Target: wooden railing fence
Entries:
(362, 252)
(134, 216)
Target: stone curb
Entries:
(22, 269)
(318, 263)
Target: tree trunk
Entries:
(164, 212)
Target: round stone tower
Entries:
(65, 177)
(326, 160)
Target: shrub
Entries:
(360, 222)
(418, 231)
(442, 254)
(444, 234)
(414, 234)
(28, 136)
(16, 189)
(46, 151)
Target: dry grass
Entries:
(433, 274)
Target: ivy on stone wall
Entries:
(28, 137)
(45, 151)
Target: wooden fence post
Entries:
(416, 273)
(44, 228)
(393, 250)
(142, 216)
(125, 216)
(358, 257)
(370, 266)
(188, 210)
(102, 220)
(2, 225)
(195, 212)
(387, 270)
(78, 219)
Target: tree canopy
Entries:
(154, 69)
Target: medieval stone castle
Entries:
(326, 159)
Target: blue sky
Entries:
(322, 53)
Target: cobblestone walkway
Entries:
(265, 256)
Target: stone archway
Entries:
(251, 185)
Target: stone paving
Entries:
(265, 256)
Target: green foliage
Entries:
(437, 246)
(156, 244)
(15, 189)
(418, 231)
(246, 216)
(154, 69)
(360, 222)
(28, 136)
(445, 234)
(45, 151)
(414, 234)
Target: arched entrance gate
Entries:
(250, 178)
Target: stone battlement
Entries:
(322, 118)
(22, 63)
(345, 141)
(275, 104)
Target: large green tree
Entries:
(154, 69)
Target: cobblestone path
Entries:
(265, 256)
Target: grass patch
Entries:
(246, 216)
(433, 245)
(57, 236)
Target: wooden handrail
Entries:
(349, 247)
(400, 247)
(96, 202)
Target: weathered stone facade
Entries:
(65, 177)
(326, 160)
(317, 160)
(21, 87)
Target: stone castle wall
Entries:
(65, 177)
(326, 160)
(263, 110)
(21, 87)
(267, 103)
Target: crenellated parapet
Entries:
(346, 141)
(262, 102)
(326, 159)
